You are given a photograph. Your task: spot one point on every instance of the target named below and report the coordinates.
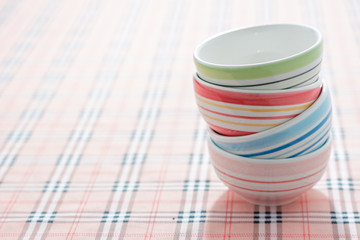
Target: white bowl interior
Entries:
(257, 45)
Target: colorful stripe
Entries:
(319, 143)
(239, 123)
(259, 168)
(250, 117)
(285, 140)
(255, 110)
(273, 177)
(306, 76)
(268, 191)
(281, 98)
(269, 182)
(293, 142)
(219, 108)
(308, 146)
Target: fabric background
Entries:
(100, 137)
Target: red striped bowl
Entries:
(269, 182)
(237, 112)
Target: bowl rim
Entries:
(221, 34)
(313, 85)
(234, 139)
(238, 158)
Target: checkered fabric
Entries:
(100, 137)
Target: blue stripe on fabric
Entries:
(292, 142)
(326, 130)
(279, 137)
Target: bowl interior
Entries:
(257, 45)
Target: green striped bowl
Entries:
(262, 57)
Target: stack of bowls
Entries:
(268, 110)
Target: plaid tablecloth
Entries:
(100, 137)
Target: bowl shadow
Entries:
(231, 217)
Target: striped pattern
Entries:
(217, 58)
(303, 79)
(238, 112)
(301, 135)
(270, 182)
(101, 138)
(291, 79)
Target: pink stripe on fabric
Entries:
(257, 99)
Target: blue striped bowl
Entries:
(301, 135)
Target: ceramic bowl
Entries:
(269, 182)
(261, 55)
(298, 136)
(298, 81)
(237, 112)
